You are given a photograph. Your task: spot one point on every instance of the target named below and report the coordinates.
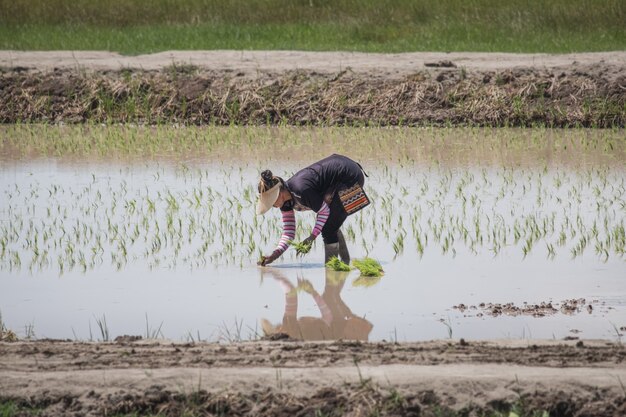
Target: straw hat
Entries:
(267, 199)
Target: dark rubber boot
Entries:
(331, 250)
(344, 254)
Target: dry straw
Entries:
(187, 95)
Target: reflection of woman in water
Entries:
(331, 187)
(337, 321)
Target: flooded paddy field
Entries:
(482, 233)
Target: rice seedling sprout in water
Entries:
(178, 214)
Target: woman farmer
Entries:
(331, 187)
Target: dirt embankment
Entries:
(286, 378)
(297, 88)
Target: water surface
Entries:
(167, 245)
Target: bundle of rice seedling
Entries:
(302, 248)
(369, 267)
(336, 265)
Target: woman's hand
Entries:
(266, 260)
(305, 246)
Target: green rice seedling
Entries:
(29, 331)
(261, 257)
(152, 333)
(337, 265)
(230, 334)
(448, 324)
(104, 329)
(301, 248)
(82, 227)
(2, 328)
(618, 334)
(368, 267)
(398, 244)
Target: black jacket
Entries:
(319, 182)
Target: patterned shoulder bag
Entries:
(353, 198)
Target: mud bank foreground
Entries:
(287, 378)
(315, 88)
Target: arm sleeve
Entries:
(289, 231)
(322, 216)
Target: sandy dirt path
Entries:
(280, 61)
(92, 377)
(465, 382)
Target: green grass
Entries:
(392, 404)
(11, 409)
(8, 409)
(139, 26)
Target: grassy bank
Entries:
(454, 97)
(139, 26)
(380, 402)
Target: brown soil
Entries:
(225, 87)
(288, 378)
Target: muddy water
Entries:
(169, 249)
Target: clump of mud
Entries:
(442, 95)
(542, 309)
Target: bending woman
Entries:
(331, 187)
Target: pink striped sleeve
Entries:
(322, 216)
(289, 231)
